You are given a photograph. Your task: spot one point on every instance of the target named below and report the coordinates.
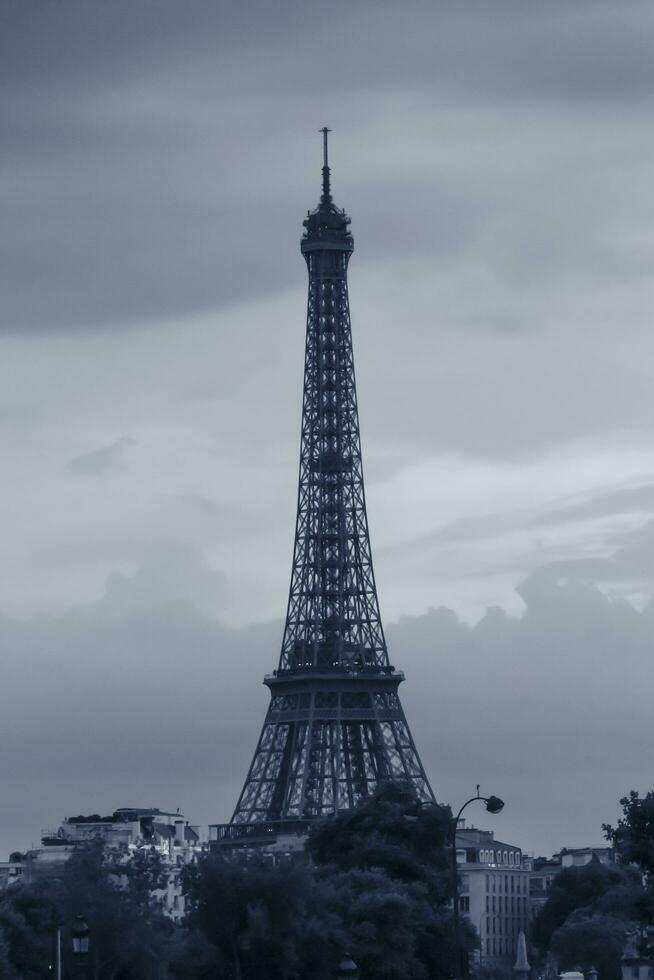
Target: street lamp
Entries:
(79, 933)
(493, 804)
(80, 936)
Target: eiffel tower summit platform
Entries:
(335, 727)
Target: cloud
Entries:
(100, 461)
(171, 575)
(632, 562)
(161, 705)
(169, 138)
(477, 471)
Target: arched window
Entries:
(510, 857)
(506, 858)
(491, 857)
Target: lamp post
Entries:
(493, 805)
(80, 936)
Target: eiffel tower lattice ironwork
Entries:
(335, 726)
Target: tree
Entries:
(129, 932)
(576, 889)
(28, 923)
(7, 971)
(391, 832)
(264, 922)
(402, 850)
(586, 941)
(587, 915)
(394, 930)
(633, 838)
(378, 885)
(129, 935)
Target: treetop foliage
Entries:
(392, 832)
(129, 933)
(633, 837)
(377, 886)
(591, 910)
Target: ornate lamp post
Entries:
(80, 936)
(493, 804)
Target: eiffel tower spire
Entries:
(335, 726)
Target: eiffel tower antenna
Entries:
(326, 190)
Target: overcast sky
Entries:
(156, 161)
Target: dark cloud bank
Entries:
(105, 708)
(148, 148)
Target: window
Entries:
(506, 858)
(464, 903)
(510, 857)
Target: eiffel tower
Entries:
(335, 726)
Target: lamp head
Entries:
(80, 935)
(494, 804)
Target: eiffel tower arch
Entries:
(335, 726)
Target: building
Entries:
(124, 827)
(10, 873)
(542, 874)
(126, 832)
(638, 956)
(493, 893)
(545, 870)
(577, 857)
(335, 726)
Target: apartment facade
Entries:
(125, 833)
(493, 893)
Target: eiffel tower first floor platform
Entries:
(329, 737)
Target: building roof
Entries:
(484, 837)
